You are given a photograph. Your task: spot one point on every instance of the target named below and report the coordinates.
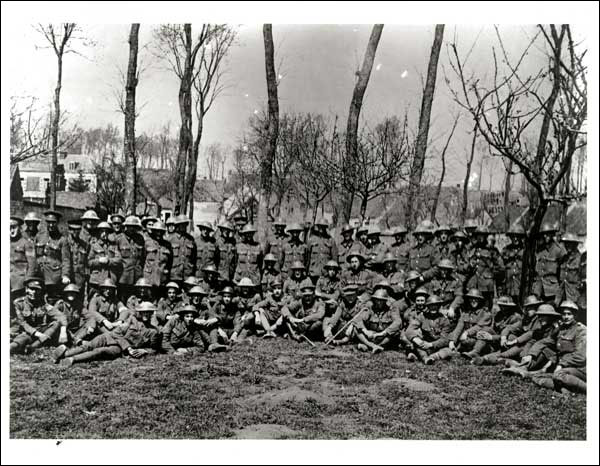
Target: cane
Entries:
(343, 328)
(305, 338)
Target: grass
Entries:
(283, 389)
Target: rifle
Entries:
(344, 327)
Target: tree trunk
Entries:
(465, 200)
(55, 124)
(529, 256)
(364, 201)
(268, 156)
(416, 172)
(349, 162)
(507, 195)
(443, 174)
(193, 168)
(129, 135)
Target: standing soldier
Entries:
(276, 242)
(571, 278)
(321, 249)
(147, 223)
(104, 259)
(487, 263)
(442, 248)
(159, 258)
(227, 252)
(400, 248)
(512, 256)
(189, 246)
(56, 259)
(207, 250)
(89, 221)
(460, 253)
(23, 262)
(376, 250)
(131, 247)
(291, 285)
(547, 265)
(239, 221)
(32, 233)
(420, 256)
(346, 244)
(249, 256)
(269, 274)
(362, 238)
(179, 251)
(79, 250)
(294, 249)
(170, 224)
(469, 227)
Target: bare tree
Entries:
(129, 151)
(351, 153)
(466, 182)
(513, 108)
(424, 118)
(443, 174)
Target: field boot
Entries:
(59, 353)
(412, 357)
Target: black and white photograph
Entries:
(286, 221)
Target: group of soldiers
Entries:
(131, 287)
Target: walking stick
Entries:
(343, 328)
(305, 338)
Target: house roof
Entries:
(82, 201)
(42, 164)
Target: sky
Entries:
(317, 65)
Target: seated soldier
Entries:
(188, 284)
(303, 318)
(358, 275)
(181, 335)
(428, 332)
(329, 286)
(210, 282)
(416, 308)
(246, 300)
(519, 340)
(291, 286)
(143, 293)
(229, 318)
(167, 306)
(507, 323)
(267, 313)
(340, 328)
(36, 323)
(134, 337)
(475, 317)
(269, 274)
(393, 276)
(378, 325)
(104, 311)
(412, 282)
(72, 308)
(448, 285)
(206, 320)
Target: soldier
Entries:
(182, 335)
(303, 318)
(362, 239)
(35, 323)
(179, 251)
(268, 311)
(549, 256)
(170, 224)
(210, 282)
(104, 311)
(89, 221)
(104, 259)
(487, 265)
(239, 220)
(329, 287)
(571, 278)
(442, 248)
(190, 252)
(378, 325)
(428, 332)
(188, 284)
(229, 318)
(71, 306)
(207, 250)
(142, 293)
(23, 260)
(227, 252)
(340, 328)
(321, 249)
(420, 257)
(448, 285)
(291, 285)
(393, 276)
(476, 316)
(512, 256)
(79, 251)
(294, 249)
(270, 273)
(249, 255)
(400, 248)
(412, 282)
(359, 276)
(167, 306)
(55, 262)
(134, 337)
(469, 227)
(246, 300)
(32, 231)
(460, 254)
(346, 243)
(376, 250)
(159, 258)
(147, 223)
(131, 245)
(276, 242)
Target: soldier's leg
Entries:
(479, 348)
(542, 380)
(404, 343)
(315, 331)
(368, 343)
(19, 343)
(104, 353)
(51, 331)
(441, 355)
(574, 380)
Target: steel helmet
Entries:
(270, 258)
(90, 215)
(198, 290)
(532, 300)
(145, 307)
(108, 283)
(210, 269)
(133, 221)
(446, 264)
(474, 293)
(71, 288)
(332, 265)
(187, 309)
(413, 275)
(506, 301)
(570, 238)
(547, 310)
(158, 225)
(568, 304)
(307, 285)
(433, 300)
(246, 282)
(380, 294)
(248, 229)
(297, 265)
(104, 226)
(421, 292)
(32, 217)
(389, 257)
(516, 229)
(143, 283)
(172, 285)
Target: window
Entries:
(73, 166)
(33, 183)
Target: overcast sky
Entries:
(317, 64)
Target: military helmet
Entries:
(547, 310)
(143, 283)
(307, 284)
(34, 282)
(71, 288)
(399, 230)
(171, 221)
(506, 301)
(548, 228)
(294, 227)
(145, 306)
(389, 257)
(104, 226)
(226, 226)
(32, 217)
(347, 228)
(570, 238)
(380, 294)
(446, 264)
(181, 219)
(15, 219)
(422, 291)
(332, 265)
(133, 221)
(357, 254)
(210, 269)
(158, 225)
(191, 281)
(322, 222)
(516, 229)
(187, 309)
(424, 228)
(459, 234)
(443, 229)
(248, 229)
(198, 290)
(568, 304)
(74, 224)
(384, 284)
(297, 265)
(270, 258)
(279, 222)
(362, 229)
(90, 215)
(413, 275)
(117, 216)
(205, 226)
(227, 290)
(475, 294)
(374, 230)
(148, 219)
(470, 224)
(434, 299)
(277, 281)
(246, 282)
(532, 300)
(172, 285)
(52, 216)
(108, 283)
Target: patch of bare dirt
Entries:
(265, 432)
(411, 384)
(293, 393)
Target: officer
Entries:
(442, 248)
(23, 260)
(89, 221)
(487, 264)
(347, 243)
(378, 325)
(227, 252)
(448, 286)
(512, 256)
(131, 246)
(35, 323)
(32, 230)
(190, 253)
(357, 275)
(249, 255)
(393, 276)
(55, 262)
(420, 257)
(207, 250)
(294, 249)
(304, 317)
(79, 253)
(321, 249)
(376, 250)
(549, 256)
(269, 274)
(159, 258)
(571, 275)
(104, 259)
(400, 248)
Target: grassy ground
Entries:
(282, 389)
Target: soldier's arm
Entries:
(414, 329)
(31, 256)
(458, 330)
(56, 314)
(333, 320)
(540, 345)
(167, 331)
(513, 326)
(66, 258)
(396, 324)
(28, 329)
(484, 322)
(316, 316)
(578, 357)
(363, 317)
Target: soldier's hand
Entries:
(463, 336)
(510, 343)
(65, 280)
(526, 360)
(136, 353)
(503, 341)
(452, 346)
(427, 345)
(558, 368)
(483, 335)
(42, 337)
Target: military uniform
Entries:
(312, 315)
(101, 309)
(157, 266)
(249, 261)
(470, 323)
(375, 254)
(571, 277)
(571, 343)
(176, 334)
(73, 313)
(513, 264)
(270, 307)
(229, 317)
(23, 262)
(433, 330)
(488, 266)
(207, 253)
(99, 271)
(55, 261)
(344, 313)
(401, 252)
(363, 279)
(165, 311)
(505, 324)
(227, 259)
(268, 277)
(292, 252)
(461, 260)
(442, 251)
(344, 248)
(547, 270)
(132, 252)
(275, 245)
(450, 290)
(329, 289)
(291, 288)
(387, 320)
(320, 251)
(421, 259)
(33, 317)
